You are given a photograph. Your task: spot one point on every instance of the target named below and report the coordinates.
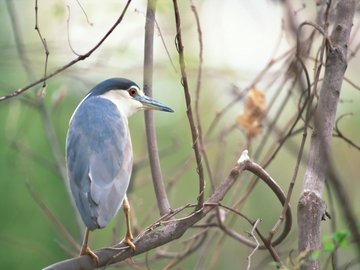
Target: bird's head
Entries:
(127, 96)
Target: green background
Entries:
(29, 239)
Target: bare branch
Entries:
(68, 32)
(291, 186)
(71, 63)
(311, 207)
(338, 133)
(161, 196)
(43, 41)
(302, 146)
(52, 217)
(257, 243)
(164, 45)
(357, 87)
(175, 228)
(197, 98)
(85, 14)
(194, 243)
(194, 131)
(39, 104)
(18, 40)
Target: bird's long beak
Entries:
(152, 104)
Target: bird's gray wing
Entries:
(99, 160)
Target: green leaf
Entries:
(315, 254)
(329, 246)
(341, 238)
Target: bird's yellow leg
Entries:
(85, 250)
(128, 237)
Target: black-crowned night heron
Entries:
(99, 153)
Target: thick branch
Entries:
(174, 229)
(311, 207)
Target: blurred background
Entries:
(247, 45)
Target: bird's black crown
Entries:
(111, 84)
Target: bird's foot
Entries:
(128, 241)
(88, 251)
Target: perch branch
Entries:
(174, 229)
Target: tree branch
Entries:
(194, 131)
(158, 183)
(71, 63)
(175, 228)
(311, 207)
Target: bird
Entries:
(99, 153)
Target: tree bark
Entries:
(157, 177)
(311, 207)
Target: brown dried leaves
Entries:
(254, 112)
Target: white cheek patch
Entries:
(123, 101)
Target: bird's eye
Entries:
(132, 92)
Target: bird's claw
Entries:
(88, 251)
(128, 241)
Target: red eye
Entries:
(132, 92)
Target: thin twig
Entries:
(84, 12)
(18, 40)
(257, 243)
(71, 63)
(164, 44)
(338, 133)
(277, 114)
(197, 97)
(302, 145)
(280, 142)
(195, 242)
(237, 213)
(194, 131)
(162, 40)
(298, 117)
(52, 217)
(240, 96)
(39, 102)
(357, 87)
(26, 151)
(43, 41)
(68, 32)
(291, 187)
